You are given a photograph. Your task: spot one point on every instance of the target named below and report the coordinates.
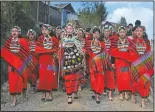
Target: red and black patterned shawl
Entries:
(139, 63)
(22, 58)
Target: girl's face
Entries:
(96, 34)
(45, 31)
(69, 30)
(63, 34)
(106, 32)
(122, 33)
(139, 32)
(80, 34)
(134, 33)
(58, 32)
(31, 36)
(130, 27)
(14, 32)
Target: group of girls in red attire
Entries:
(113, 61)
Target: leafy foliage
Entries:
(92, 13)
(123, 21)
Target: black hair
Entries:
(84, 36)
(52, 33)
(130, 24)
(137, 23)
(88, 30)
(134, 28)
(145, 36)
(96, 30)
(40, 25)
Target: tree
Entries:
(7, 19)
(101, 12)
(15, 13)
(22, 16)
(117, 26)
(92, 13)
(123, 22)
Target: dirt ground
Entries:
(59, 103)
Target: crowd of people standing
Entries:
(69, 57)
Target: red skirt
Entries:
(97, 79)
(25, 78)
(109, 80)
(72, 83)
(92, 80)
(123, 81)
(123, 75)
(99, 84)
(47, 78)
(15, 81)
(139, 87)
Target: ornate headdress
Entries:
(49, 27)
(107, 27)
(80, 29)
(31, 31)
(121, 27)
(59, 27)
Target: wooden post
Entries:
(48, 12)
(37, 11)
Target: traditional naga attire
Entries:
(46, 49)
(83, 71)
(58, 37)
(89, 37)
(32, 78)
(71, 57)
(142, 66)
(109, 73)
(120, 50)
(97, 65)
(16, 54)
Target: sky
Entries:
(132, 11)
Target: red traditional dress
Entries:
(16, 54)
(89, 36)
(46, 49)
(141, 59)
(142, 66)
(96, 65)
(71, 62)
(122, 66)
(32, 78)
(109, 73)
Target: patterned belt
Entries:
(124, 69)
(71, 72)
(48, 67)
